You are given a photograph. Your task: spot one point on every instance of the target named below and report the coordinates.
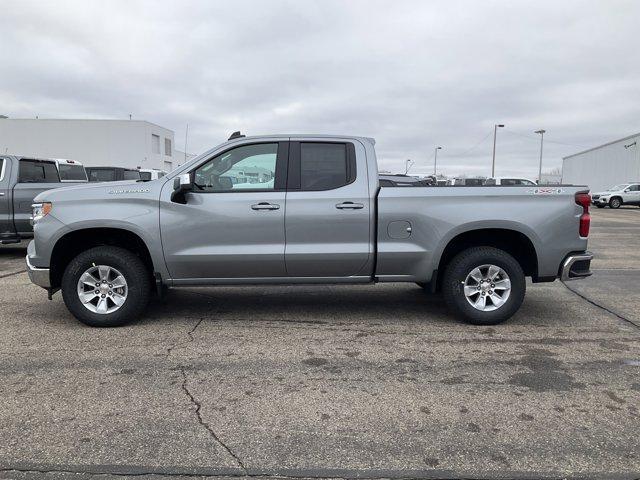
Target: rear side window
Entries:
(37, 171)
(321, 166)
(71, 172)
(101, 175)
(490, 181)
(131, 175)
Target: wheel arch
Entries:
(514, 242)
(74, 242)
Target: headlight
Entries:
(39, 211)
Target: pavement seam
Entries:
(201, 421)
(594, 303)
(12, 273)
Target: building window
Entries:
(167, 147)
(155, 143)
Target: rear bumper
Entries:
(39, 276)
(576, 266)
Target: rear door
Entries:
(327, 222)
(34, 177)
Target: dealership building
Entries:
(96, 143)
(604, 166)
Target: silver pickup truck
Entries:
(299, 209)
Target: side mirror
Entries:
(181, 185)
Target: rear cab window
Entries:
(131, 175)
(37, 171)
(101, 175)
(72, 173)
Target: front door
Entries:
(328, 224)
(6, 225)
(34, 177)
(232, 224)
(632, 194)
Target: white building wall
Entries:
(604, 166)
(120, 143)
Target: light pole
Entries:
(407, 165)
(541, 132)
(493, 163)
(435, 160)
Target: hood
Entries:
(92, 190)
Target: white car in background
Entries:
(615, 197)
(506, 181)
(71, 170)
(147, 174)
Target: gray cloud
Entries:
(412, 74)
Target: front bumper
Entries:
(39, 276)
(576, 266)
(599, 201)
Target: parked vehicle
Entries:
(511, 181)
(400, 180)
(469, 182)
(615, 197)
(21, 179)
(316, 214)
(111, 174)
(71, 171)
(148, 174)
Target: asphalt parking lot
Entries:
(327, 381)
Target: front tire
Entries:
(484, 285)
(615, 202)
(106, 286)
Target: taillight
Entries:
(584, 200)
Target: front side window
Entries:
(526, 182)
(249, 167)
(508, 181)
(634, 188)
(323, 166)
(35, 171)
(490, 181)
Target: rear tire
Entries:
(615, 202)
(495, 267)
(125, 264)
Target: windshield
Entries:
(618, 187)
(74, 173)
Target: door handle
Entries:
(265, 206)
(349, 206)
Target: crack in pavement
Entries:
(205, 424)
(596, 304)
(196, 403)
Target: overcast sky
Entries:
(411, 74)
